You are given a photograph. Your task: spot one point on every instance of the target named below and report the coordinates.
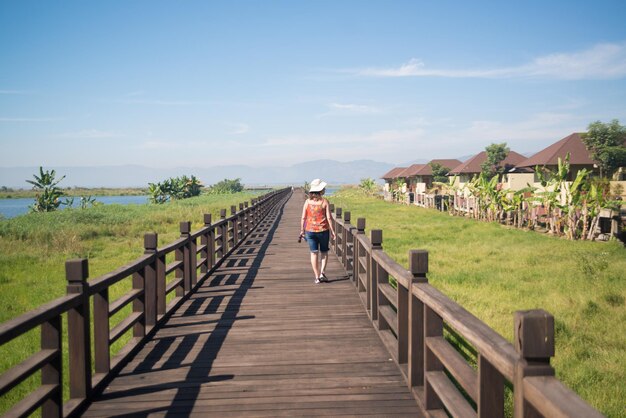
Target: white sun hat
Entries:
(317, 185)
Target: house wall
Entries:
(518, 181)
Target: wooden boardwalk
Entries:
(259, 338)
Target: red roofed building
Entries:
(472, 167)
(422, 178)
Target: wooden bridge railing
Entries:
(416, 321)
(152, 281)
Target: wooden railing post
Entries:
(52, 372)
(188, 265)
(209, 242)
(161, 285)
(418, 266)
(78, 330)
(534, 341)
(433, 327)
(233, 222)
(254, 202)
(246, 218)
(241, 228)
(345, 232)
(338, 234)
(376, 238)
(359, 251)
(150, 242)
(332, 241)
(224, 234)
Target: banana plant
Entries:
(47, 198)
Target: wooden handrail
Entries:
(15, 327)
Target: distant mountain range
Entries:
(333, 172)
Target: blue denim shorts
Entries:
(318, 241)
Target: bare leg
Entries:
(315, 264)
(324, 261)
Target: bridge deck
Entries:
(259, 338)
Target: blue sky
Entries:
(202, 83)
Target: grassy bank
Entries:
(493, 271)
(76, 192)
(34, 248)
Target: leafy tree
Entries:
(605, 142)
(496, 153)
(47, 198)
(227, 186)
(439, 172)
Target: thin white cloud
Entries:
(338, 109)
(602, 61)
(89, 134)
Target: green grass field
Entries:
(34, 248)
(493, 271)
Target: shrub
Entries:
(226, 186)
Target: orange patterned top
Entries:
(316, 216)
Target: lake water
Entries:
(10, 208)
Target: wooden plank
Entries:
(18, 373)
(122, 301)
(124, 326)
(552, 399)
(449, 395)
(173, 266)
(389, 292)
(31, 402)
(390, 317)
(455, 364)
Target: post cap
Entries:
(222, 213)
(77, 270)
(233, 209)
(331, 207)
(346, 216)
(241, 206)
(207, 219)
(376, 236)
(245, 204)
(360, 224)
(185, 227)
(418, 262)
(534, 334)
(150, 241)
(338, 212)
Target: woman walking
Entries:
(316, 227)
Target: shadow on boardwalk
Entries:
(260, 339)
